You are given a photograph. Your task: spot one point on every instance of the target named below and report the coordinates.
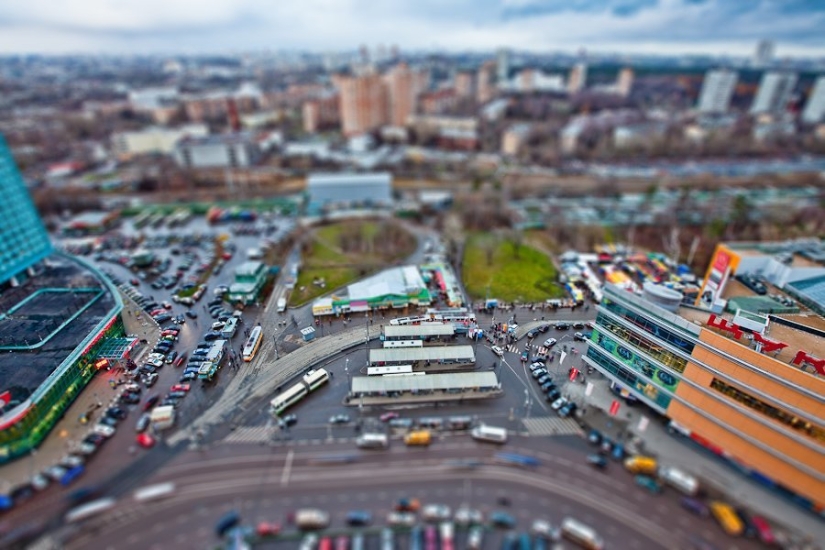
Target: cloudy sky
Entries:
(207, 26)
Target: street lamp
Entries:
(275, 341)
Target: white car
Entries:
(55, 472)
(401, 519)
(474, 538)
(537, 365)
(550, 342)
(104, 430)
(218, 325)
(435, 512)
(467, 516)
(71, 461)
(40, 482)
(558, 403)
(544, 529)
(86, 449)
(498, 351)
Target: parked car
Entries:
(143, 422)
(562, 326)
(117, 413)
(497, 350)
(359, 518)
(568, 410)
(597, 461)
(339, 419)
(550, 342)
(648, 483)
(503, 520)
(151, 402)
(288, 420)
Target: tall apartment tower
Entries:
(814, 111)
(625, 82)
(764, 53)
(502, 65)
(363, 103)
(403, 86)
(578, 78)
(485, 88)
(23, 238)
(774, 92)
(717, 90)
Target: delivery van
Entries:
(679, 480)
(281, 305)
(420, 437)
(641, 465)
(372, 441)
(489, 433)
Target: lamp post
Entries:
(275, 341)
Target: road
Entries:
(267, 483)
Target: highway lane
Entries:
(268, 482)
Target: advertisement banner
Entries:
(724, 261)
(626, 356)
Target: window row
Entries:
(665, 357)
(771, 411)
(630, 379)
(649, 326)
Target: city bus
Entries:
(727, 518)
(90, 509)
(583, 535)
(250, 348)
(315, 378)
(291, 396)
(393, 369)
(403, 343)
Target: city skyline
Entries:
(628, 26)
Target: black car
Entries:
(567, 410)
(116, 412)
(562, 326)
(130, 398)
(203, 345)
(542, 379)
(192, 314)
(538, 373)
(544, 328)
(547, 386)
(109, 421)
(539, 359)
(578, 325)
(532, 334)
(187, 376)
(151, 402)
(288, 420)
(169, 402)
(94, 439)
(553, 394)
(147, 369)
(597, 461)
(212, 336)
(214, 302)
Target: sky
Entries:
(714, 27)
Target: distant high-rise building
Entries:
(363, 102)
(717, 90)
(403, 86)
(774, 92)
(764, 53)
(815, 107)
(625, 82)
(23, 239)
(502, 65)
(464, 84)
(484, 83)
(578, 78)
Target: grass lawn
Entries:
(327, 260)
(527, 277)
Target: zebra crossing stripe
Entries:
(549, 425)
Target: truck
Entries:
(679, 480)
(281, 305)
(419, 437)
(489, 433)
(641, 465)
(163, 417)
(208, 370)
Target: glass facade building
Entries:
(761, 411)
(23, 239)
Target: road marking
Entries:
(287, 468)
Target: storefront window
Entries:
(649, 326)
(629, 378)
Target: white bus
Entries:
(581, 534)
(90, 509)
(404, 344)
(315, 378)
(392, 369)
(489, 433)
(291, 396)
(250, 348)
(154, 492)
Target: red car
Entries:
(145, 440)
(180, 387)
(266, 529)
(386, 417)
(179, 361)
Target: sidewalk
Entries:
(96, 396)
(678, 451)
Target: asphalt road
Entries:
(267, 483)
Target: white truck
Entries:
(281, 305)
(679, 480)
(163, 417)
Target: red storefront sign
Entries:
(803, 357)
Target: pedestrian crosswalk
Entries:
(541, 350)
(513, 349)
(252, 434)
(551, 425)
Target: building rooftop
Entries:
(46, 319)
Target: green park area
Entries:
(338, 254)
(503, 268)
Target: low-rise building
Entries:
(217, 151)
(126, 145)
(250, 278)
